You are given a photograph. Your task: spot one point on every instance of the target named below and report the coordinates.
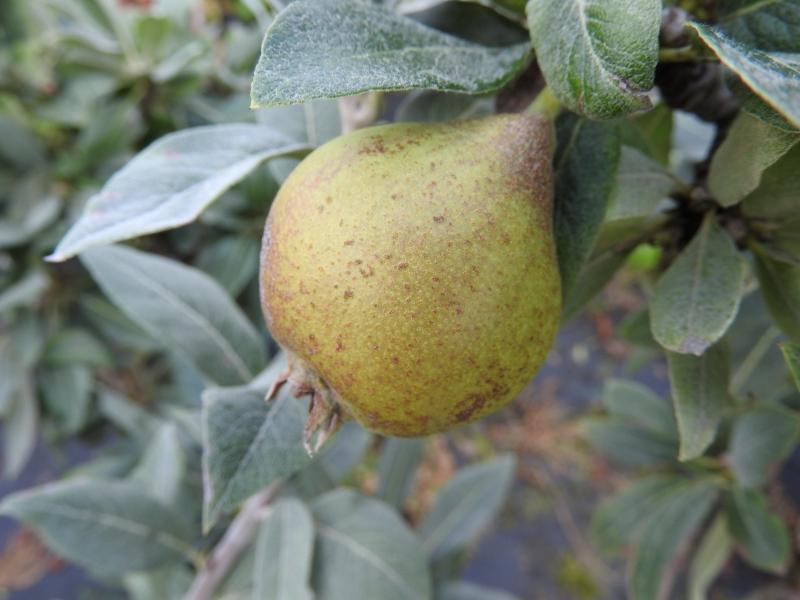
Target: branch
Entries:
(235, 541)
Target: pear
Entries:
(409, 271)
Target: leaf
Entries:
(171, 182)
(709, 559)
(617, 520)
(26, 292)
(750, 148)
(12, 374)
(21, 427)
(365, 550)
(590, 281)
(284, 548)
(700, 394)
(633, 401)
(760, 438)
(181, 306)
(66, 392)
(341, 455)
(760, 535)
(332, 48)
(791, 354)
(40, 212)
(74, 345)
(463, 590)
(628, 444)
(678, 516)
(642, 184)
(776, 195)
(466, 505)
(247, 444)
(773, 78)
(232, 261)
(770, 25)
(115, 325)
(650, 133)
(599, 57)
(162, 466)
(697, 298)
(108, 526)
(397, 469)
(780, 287)
(129, 416)
(586, 160)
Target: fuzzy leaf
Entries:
(598, 56)
(171, 182)
(466, 505)
(780, 286)
(760, 535)
(184, 308)
(750, 148)
(110, 526)
(700, 393)
(332, 48)
(776, 196)
(586, 160)
(365, 550)
(677, 517)
(641, 185)
(709, 559)
(247, 444)
(773, 77)
(697, 298)
(397, 469)
(284, 548)
(760, 438)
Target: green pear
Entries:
(409, 271)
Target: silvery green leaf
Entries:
(770, 25)
(586, 161)
(758, 531)
(700, 394)
(110, 526)
(697, 298)
(598, 56)
(332, 48)
(466, 505)
(26, 292)
(75, 345)
(284, 548)
(633, 401)
(365, 550)
(641, 185)
(171, 182)
(184, 308)
(21, 425)
(162, 466)
(618, 520)
(780, 287)
(776, 195)
(750, 147)
(709, 559)
(760, 439)
(66, 393)
(773, 77)
(248, 443)
(232, 261)
(397, 468)
(677, 517)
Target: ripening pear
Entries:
(409, 272)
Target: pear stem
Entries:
(546, 104)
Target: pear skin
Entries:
(409, 271)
